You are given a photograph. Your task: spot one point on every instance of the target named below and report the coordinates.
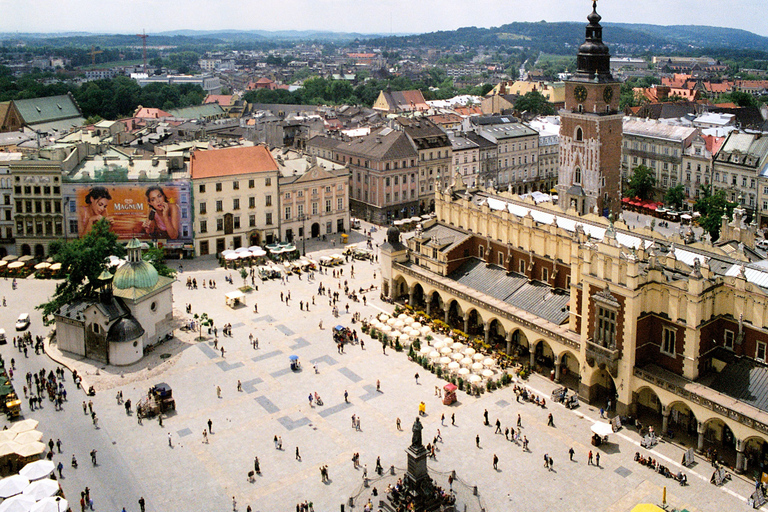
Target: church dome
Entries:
(135, 273)
(139, 274)
(125, 330)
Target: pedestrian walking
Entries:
(398, 424)
(58, 445)
(551, 464)
(239, 385)
(477, 440)
(142, 504)
(378, 385)
(346, 396)
(485, 418)
(550, 421)
(275, 441)
(453, 418)
(442, 419)
(589, 458)
(546, 460)
(234, 504)
(597, 459)
(205, 436)
(498, 426)
(495, 462)
(570, 453)
(298, 456)
(60, 468)
(210, 425)
(170, 440)
(519, 420)
(218, 391)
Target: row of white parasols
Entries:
(32, 490)
(403, 328)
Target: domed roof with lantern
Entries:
(135, 272)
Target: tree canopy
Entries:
(712, 207)
(83, 260)
(675, 196)
(641, 183)
(535, 103)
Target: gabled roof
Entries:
(386, 144)
(221, 99)
(44, 110)
(198, 112)
(231, 162)
(151, 113)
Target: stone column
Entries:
(487, 329)
(429, 303)
(445, 316)
(531, 358)
(741, 460)
(410, 297)
(466, 323)
(557, 371)
(665, 420)
(700, 430)
(508, 337)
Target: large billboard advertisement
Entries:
(149, 211)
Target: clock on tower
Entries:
(591, 130)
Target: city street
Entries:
(136, 460)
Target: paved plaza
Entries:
(136, 460)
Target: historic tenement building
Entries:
(672, 330)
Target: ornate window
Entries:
(577, 176)
(607, 313)
(579, 134)
(668, 341)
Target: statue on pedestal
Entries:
(417, 428)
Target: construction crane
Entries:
(93, 53)
(143, 37)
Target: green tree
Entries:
(83, 260)
(244, 275)
(712, 206)
(534, 102)
(675, 196)
(203, 320)
(155, 256)
(641, 183)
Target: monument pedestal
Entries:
(418, 484)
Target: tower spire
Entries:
(594, 59)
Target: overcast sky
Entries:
(365, 16)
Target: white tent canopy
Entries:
(602, 429)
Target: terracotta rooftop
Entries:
(151, 113)
(231, 162)
(221, 99)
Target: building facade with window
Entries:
(661, 147)
(314, 196)
(38, 213)
(6, 203)
(235, 198)
(739, 168)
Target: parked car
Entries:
(23, 322)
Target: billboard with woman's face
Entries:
(151, 211)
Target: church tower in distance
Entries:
(591, 130)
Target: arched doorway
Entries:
(474, 324)
(436, 306)
(289, 235)
(602, 389)
(254, 238)
(681, 425)
(543, 358)
(3, 252)
(719, 441)
(756, 456)
(455, 315)
(315, 230)
(26, 250)
(400, 289)
(39, 251)
(648, 408)
(519, 345)
(497, 334)
(418, 298)
(569, 370)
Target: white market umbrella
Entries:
(453, 366)
(24, 425)
(391, 321)
(467, 361)
(52, 504)
(402, 316)
(37, 470)
(426, 349)
(463, 371)
(42, 489)
(8, 447)
(423, 330)
(600, 428)
(469, 351)
(386, 329)
(258, 252)
(399, 324)
(457, 357)
(458, 346)
(29, 436)
(231, 257)
(404, 338)
(30, 449)
(445, 351)
(488, 362)
(6, 435)
(438, 344)
(445, 360)
(478, 357)
(241, 250)
(245, 254)
(477, 367)
(227, 252)
(383, 317)
(413, 333)
(434, 355)
(448, 341)
(12, 485)
(17, 504)
(474, 379)
(416, 325)
(408, 320)
(487, 373)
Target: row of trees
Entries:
(107, 99)
(711, 204)
(319, 90)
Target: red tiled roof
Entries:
(221, 99)
(713, 143)
(231, 162)
(151, 113)
(264, 80)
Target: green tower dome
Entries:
(135, 272)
